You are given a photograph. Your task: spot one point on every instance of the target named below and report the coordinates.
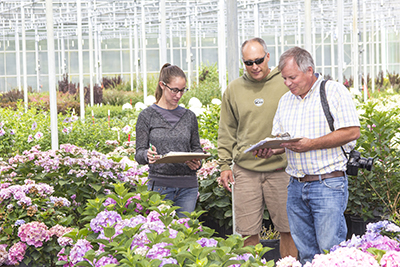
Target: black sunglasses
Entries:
(176, 90)
(258, 61)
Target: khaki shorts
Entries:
(254, 190)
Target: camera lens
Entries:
(366, 163)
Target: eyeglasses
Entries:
(258, 61)
(176, 90)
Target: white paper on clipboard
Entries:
(270, 143)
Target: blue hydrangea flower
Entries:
(19, 222)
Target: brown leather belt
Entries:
(315, 177)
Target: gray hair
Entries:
(301, 56)
(258, 40)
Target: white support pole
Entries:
(233, 62)
(96, 52)
(197, 46)
(136, 43)
(37, 60)
(276, 46)
(282, 36)
(63, 59)
(180, 49)
(298, 29)
(383, 46)
(365, 51)
(313, 44)
(322, 50)
(131, 55)
(372, 52)
(188, 45)
(232, 40)
(163, 34)
(80, 60)
(121, 66)
(355, 46)
(256, 14)
(24, 63)
(333, 55)
(340, 46)
(200, 43)
(68, 65)
(377, 48)
(4, 54)
(307, 35)
(18, 61)
(171, 45)
(144, 55)
(100, 59)
(59, 55)
(52, 75)
(91, 60)
(221, 46)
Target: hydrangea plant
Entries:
(375, 248)
(73, 171)
(150, 236)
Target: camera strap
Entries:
(325, 107)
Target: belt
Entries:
(315, 177)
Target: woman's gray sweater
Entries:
(153, 128)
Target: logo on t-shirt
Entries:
(259, 102)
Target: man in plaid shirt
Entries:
(318, 188)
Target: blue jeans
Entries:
(185, 198)
(315, 212)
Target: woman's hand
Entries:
(152, 155)
(193, 164)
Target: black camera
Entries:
(356, 161)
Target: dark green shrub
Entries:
(377, 191)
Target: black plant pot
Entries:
(220, 231)
(356, 225)
(273, 254)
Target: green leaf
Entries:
(109, 232)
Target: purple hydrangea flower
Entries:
(104, 219)
(19, 222)
(106, 260)
(207, 242)
(79, 250)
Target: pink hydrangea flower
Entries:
(34, 233)
(391, 259)
(206, 144)
(343, 257)
(59, 230)
(288, 261)
(3, 254)
(62, 257)
(208, 169)
(16, 253)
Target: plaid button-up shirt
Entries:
(305, 118)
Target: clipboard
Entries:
(271, 143)
(181, 157)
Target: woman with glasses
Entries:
(167, 127)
